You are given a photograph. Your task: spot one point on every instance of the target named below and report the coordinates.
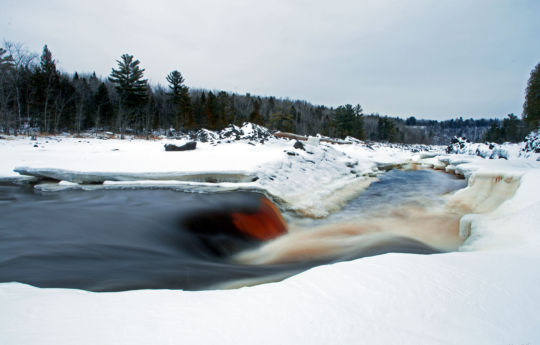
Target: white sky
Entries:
(431, 59)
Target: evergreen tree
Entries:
(531, 107)
(510, 130)
(104, 110)
(349, 121)
(210, 111)
(175, 81)
(255, 116)
(282, 121)
(181, 100)
(48, 79)
(129, 82)
(132, 89)
(411, 121)
(387, 130)
(6, 90)
(185, 109)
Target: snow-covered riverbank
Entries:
(486, 293)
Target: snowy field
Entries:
(485, 293)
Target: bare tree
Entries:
(22, 61)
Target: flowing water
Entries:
(113, 240)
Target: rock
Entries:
(251, 131)
(231, 132)
(204, 135)
(186, 147)
(233, 227)
(299, 146)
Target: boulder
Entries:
(233, 226)
(186, 147)
(299, 146)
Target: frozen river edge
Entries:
(484, 294)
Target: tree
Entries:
(129, 81)
(22, 63)
(411, 121)
(82, 91)
(131, 87)
(531, 107)
(255, 116)
(185, 110)
(49, 81)
(349, 121)
(511, 130)
(387, 130)
(282, 121)
(181, 100)
(6, 61)
(175, 81)
(210, 111)
(6, 89)
(103, 107)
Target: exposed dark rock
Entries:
(230, 132)
(192, 145)
(204, 135)
(299, 146)
(233, 228)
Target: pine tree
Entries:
(185, 109)
(349, 121)
(6, 89)
(129, 82)
(282, 121)
(210, 111)
(48, 80)
(103, 106)
(175, 81)
(132, 88)
(531, 107)
(255, 116)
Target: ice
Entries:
(485, 293)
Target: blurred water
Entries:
(132, 239)
(423, 188)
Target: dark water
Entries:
(397, 187)
(113, 240)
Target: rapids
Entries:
(114, 240)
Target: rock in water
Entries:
(186, 147)
(237, 226)
(264, 224)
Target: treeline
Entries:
(37, 97)
(511, 129)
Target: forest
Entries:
(37, 97)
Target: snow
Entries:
(485, 293)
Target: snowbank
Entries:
(487, 293)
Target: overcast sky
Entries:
(431, 59)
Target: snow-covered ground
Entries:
(486, 293)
